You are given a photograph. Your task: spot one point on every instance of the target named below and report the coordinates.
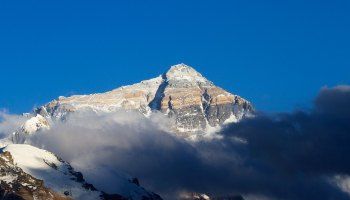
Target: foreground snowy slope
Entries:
(16, 184)
(56, 174)
(58, 177)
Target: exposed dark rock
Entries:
(106, 196)
(135, 181)
(235, 197)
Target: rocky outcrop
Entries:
(181, 93)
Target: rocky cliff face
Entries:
(197, 103)
(181, 93)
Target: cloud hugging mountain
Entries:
(293, 156)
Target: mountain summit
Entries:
(181, 93)
(186, 73)
(194, 103)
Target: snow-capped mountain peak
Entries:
(194, 103)
(181, 93)
(185, 73)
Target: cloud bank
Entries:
(293, 156)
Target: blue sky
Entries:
(277, 54)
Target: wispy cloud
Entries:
(9, 123)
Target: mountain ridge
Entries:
(181, 93)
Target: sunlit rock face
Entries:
(194, 103)
(197, 103)
(136, 96)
